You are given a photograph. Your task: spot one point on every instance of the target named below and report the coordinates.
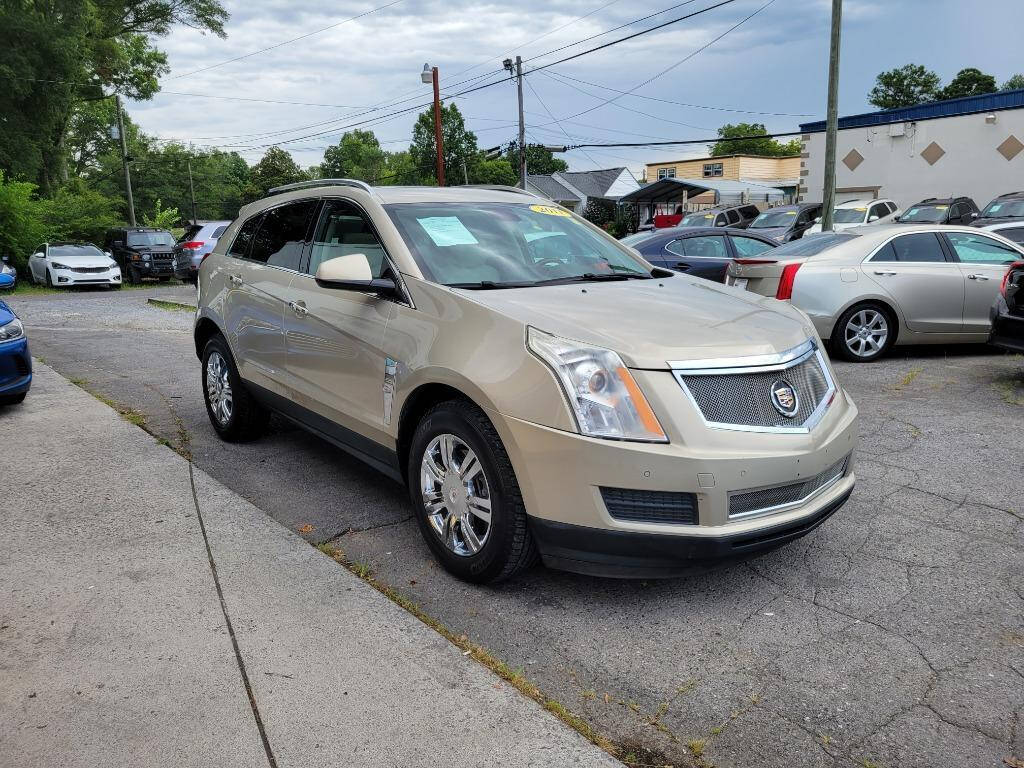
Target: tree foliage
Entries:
(968, 82)
(539, 160)
(730, 142)
(904, 86)
(1013, 83)
(357, 155)
(459, 144)
(277, 167)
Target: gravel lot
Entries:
(891, 636)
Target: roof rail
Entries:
(499, 188)
(1011, 194)
(323, 183)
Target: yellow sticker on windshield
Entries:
(790, 213)
(548, 210)
(941, 207)
(860, 209)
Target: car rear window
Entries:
(811, 245)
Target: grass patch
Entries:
(907, 380)
(1010, 388)
(28, 288)
(172, 306)
(128, 414)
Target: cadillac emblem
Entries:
(784, 398)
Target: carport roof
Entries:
(672, 189)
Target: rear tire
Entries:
(233, 411)
(49, 278)
(12, 399)
(864, 333)
(456, 450)
(131, 275)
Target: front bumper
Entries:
(1007, 330)
(69, 277)
(562, 474)
(15, 367)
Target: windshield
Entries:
(145, 239)
(634, 240)
(57, 251)
(486, 244)
(811, 245)
(849, 215)
(926, 213)
(1011, 210)
(699, 219)
(772, 219)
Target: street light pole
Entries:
(430, 74)
(828, 202)
(124, 161)
(192, 193)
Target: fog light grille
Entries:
(651, 506)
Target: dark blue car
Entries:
(698, 251)
(15, 360)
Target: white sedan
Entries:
(67, 264)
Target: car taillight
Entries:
(756, 261)
(193, 245)
(785, 292)
(1006, 277)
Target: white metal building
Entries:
(972, 146)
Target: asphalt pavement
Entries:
(893, 635)
(149, 616)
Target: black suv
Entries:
(786, 222)
(141, 252)
(940, 210)
(738, 216)
(1008, 207)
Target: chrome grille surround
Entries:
(735, 393)
(778, 498)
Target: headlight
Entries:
(112, 265)
(6, 269)
(11, 331)
(57, 265)
(603, 395)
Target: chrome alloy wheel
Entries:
(866, 332)
(455, 494)
(218, 387)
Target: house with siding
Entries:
(574, 189)
(779, 172)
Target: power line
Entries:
(534, 92)
(682, 142)
(286, 42)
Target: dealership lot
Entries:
(892, 635)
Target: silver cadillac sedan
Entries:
(870, 288)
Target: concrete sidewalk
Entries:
(117, 649)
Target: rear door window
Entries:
(705, 247)
(733, 216)
(917, 248)
(281, 236)
(243, 239)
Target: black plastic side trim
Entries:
(379, 457)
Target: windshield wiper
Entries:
(490, 285)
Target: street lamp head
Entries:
(427, 74)
(507, 64)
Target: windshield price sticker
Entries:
(548, 210)
(447, 230)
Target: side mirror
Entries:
(872, 218)
(974, 214)
(37, 255)
(6, 281)
(352, 272)
(118, 243)
(108, 254)
(4, 258)
(817, 220)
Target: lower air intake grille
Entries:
(651, 506)
(751, 502)
(21, 365)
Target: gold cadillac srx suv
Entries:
(543, 391)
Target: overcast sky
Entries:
(774, 63)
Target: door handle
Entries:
(977, 277)
(235, 279)
(682, 265)
(884, 272)
(299, 308)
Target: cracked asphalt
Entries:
(893, 635)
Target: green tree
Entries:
(399, 168)
(538, 160)
(276, 168)
(497, 171)
(77, 212)
(61, 53)
(357, 155)
(162, 218)
(968, 82)
(732, 142)
(21, 225)
(1013, 83)
(904, 86)
(459, 144)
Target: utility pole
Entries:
(828, 202)
(465, 173)
(192, 193)
(522, 122)
(124, 161)
(429, 74)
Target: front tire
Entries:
(466, 497)
(864, 333)
(13, 399)
(49, 278)
(233, 411)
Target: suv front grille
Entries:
(650, 506)
(739, 396)
(748, 503)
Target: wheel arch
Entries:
(420, 400)
(205, 330)
(886, 303)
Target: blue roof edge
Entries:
(966, 105)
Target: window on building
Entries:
(713, 169)
(666, 173)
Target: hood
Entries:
(6, 313)
(772, 232)
(83, 260)
(987, 221)
(649, 322)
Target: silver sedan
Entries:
(869, 288)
